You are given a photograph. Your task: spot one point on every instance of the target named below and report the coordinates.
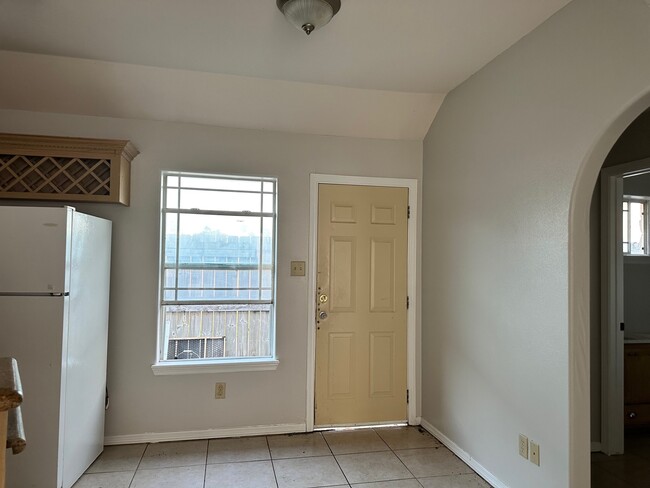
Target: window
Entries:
(217, 274)
(635, 225)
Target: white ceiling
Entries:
(422, 47)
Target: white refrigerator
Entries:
(54, 286)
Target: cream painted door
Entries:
(361, 305)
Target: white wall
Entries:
(144, 403)
(506, 333)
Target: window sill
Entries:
(197, 367)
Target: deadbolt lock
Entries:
(323, 298)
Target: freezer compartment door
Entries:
(34, 249)
(32, 331)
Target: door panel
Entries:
(340, 378)
(383, 215)
(382, 364)
(343, 266)
(343, 213)
(382, 276)
(361, 325)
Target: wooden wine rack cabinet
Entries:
(65, 168)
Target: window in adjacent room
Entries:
(217, 274)
(635, 226)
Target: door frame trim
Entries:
(412, 323)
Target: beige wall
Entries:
(144, 403)
(510, 165)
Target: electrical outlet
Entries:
(534, 453)
(297, 268)
(523, 446)
(219, 391)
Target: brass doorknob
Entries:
(323, 298)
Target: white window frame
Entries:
(211, 365)
(628, 256)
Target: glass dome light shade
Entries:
(309, 15)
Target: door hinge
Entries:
(407, 396)
(408, 302)
(408, 211)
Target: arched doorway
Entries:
(579, 286)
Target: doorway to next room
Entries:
(620, 313)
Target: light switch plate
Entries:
(534, 453)
(297, 268)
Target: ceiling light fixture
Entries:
(309, 15)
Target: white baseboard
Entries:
(596, 447)
(467, 459)
(204, 434)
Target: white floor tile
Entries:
(238, 449)
(105, 480)
(308, 472)
(168, 454)
(412, 483)
(435, 461)
(456, 481)
(372, 466)
(407, 437)
(355, 441)
(298, 445)
(118, 458)
(182, 477)
(254, 474)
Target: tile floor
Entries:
(396, 457)
(631, 470)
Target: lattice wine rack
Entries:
(65, 168)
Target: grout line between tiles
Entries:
(405, 466)
(347, 481)
(138, 466)
(275, 476)
(336, 460)
(205, 466)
